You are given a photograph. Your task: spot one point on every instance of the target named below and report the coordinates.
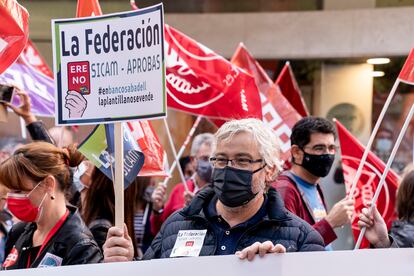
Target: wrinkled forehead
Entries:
(237, 144)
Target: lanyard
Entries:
(51, 233)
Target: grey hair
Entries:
(199, 140)
(264, 137)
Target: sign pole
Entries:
(175, 154)
(119, 175)
(371, 140)
(387, 169)
(181, 151)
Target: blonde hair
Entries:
(36, 161)
(263, 136)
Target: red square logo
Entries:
(189, 243)
(79, 77)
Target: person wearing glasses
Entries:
(313, 152)
(238, 214)
(201, 150)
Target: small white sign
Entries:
(188, 243)
(110, 68)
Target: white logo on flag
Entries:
(366, 191)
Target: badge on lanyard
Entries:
(50, 260)
(11, 258)
(188, 243)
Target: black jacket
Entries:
(38, 132)
(99, 229)
(279, 226)
(402, 233)
(73, 242)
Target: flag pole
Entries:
(181, 151)
(387, 168)
(371, 139)
(175, 154)
(119, 174)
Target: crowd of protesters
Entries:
(56, 208)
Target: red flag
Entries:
(155, 163)
(33, 58)
(352, 151)
(14, 32)
(407, 72)
(203, 83)
(88, 8)
(287, 83)
(277, 112)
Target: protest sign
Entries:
(99, 148)
(110, 68)
(378, 262)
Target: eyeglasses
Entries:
(238, 163)
(322, 149)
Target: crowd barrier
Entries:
(378, 262)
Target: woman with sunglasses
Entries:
(51, 233)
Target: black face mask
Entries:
(233, 186)
(318, 165)
(204, 170)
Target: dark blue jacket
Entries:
(279, 226)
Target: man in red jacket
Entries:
(201, 150)
(313, 152)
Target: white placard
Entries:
(188, 243)
(378, 262)
(110, 68)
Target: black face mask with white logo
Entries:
(317, 164)
(233, 186)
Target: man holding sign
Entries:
(240, 214)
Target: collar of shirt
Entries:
(217, 220)
(303, 182)
(228, 237)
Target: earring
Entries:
(52, 197)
